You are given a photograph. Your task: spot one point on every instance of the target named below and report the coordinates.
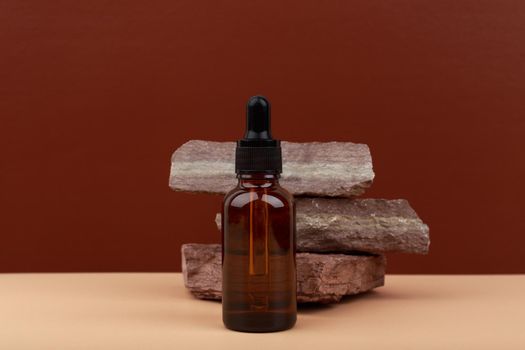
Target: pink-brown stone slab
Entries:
(367, 225)
(335, 169)
(321, 278)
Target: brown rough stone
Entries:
(336, 169)
(367, 225)
(321, 278)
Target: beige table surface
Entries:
(154, 311)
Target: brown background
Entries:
(95, 96)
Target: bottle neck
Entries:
(258, 180)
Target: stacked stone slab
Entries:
(341, 240)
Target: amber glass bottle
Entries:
(258, 222)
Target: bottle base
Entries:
(259, 322)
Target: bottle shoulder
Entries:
(275, 196)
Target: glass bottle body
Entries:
(258, 256)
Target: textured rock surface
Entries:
(368, 225)
(323, 278)
(342, 169)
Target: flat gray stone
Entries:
(367, 225)
(335, 169)
(321, 278)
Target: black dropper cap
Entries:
(258, 151)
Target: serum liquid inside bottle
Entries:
(258, 234)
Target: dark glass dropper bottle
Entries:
(258, 237)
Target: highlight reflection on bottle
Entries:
(258, 223)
